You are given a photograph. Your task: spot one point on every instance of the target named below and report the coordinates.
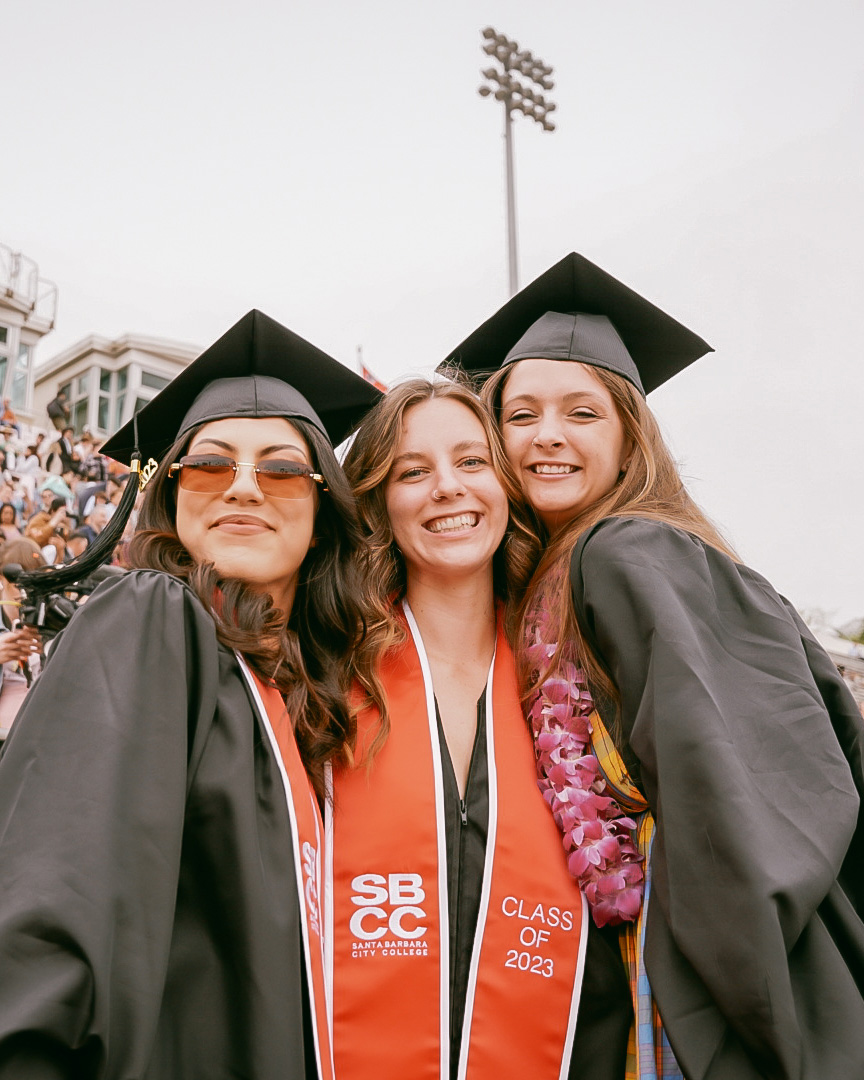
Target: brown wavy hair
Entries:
(650, 487)
(306, 656)
(24, 551)
(367, 466)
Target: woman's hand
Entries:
(19, 645)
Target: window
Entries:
(155, 382)
(20, 379)
(103, 411)
(79, 415)
(77, 392)
(4, 358)
(122, 381)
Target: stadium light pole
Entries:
(517, 97)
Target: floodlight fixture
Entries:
(517, 99)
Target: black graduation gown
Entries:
(749, 748)
(149, 918)
(605, 1013)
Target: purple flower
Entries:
(617, 897)
(597, 835)
(558, 691)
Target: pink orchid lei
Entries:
(602, 856)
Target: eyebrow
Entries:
(590, 395)
(233, 449)
(459, 448)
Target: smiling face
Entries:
(247, 535)
(563, 436)
(447, 508)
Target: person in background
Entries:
(58, 411)
(664, 678)
(109, 491)
(20, 646)
(62, 487)
(9, 522)
(114, 488)
(84, 446)
(94, 467)
(77, 543)
(8, 418)
(55, 551)
(29, 469)
(62, 457)
(42, 526)
(15, 492)
(96, 520)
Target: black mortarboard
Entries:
(576, 311)
(258, 368)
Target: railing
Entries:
(20, 280)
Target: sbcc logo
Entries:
(402, 892)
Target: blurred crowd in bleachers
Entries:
(57, 493)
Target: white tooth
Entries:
(447, 524)
(553, 470)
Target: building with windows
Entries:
(28, 308)
(106, 381)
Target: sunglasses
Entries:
(213, 474)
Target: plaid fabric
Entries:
(649, 1055)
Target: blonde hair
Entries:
(367, 466)
(651, 487)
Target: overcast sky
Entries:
(171, 165)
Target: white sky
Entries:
(172, 164)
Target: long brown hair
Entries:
(367, 466)
(651, 487)
(307, 656)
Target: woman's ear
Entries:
(629, 451)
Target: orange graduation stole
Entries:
(386, 900)
(306, 832)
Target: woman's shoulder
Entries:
(654, 565)
(636, 541)
(139, 601)
(142, 589)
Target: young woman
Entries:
(459, 939)
(159, 805)
(723, 722)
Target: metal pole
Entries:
(511, 199)
(516, 97)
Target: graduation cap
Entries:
(576, 311)
(257, 368)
